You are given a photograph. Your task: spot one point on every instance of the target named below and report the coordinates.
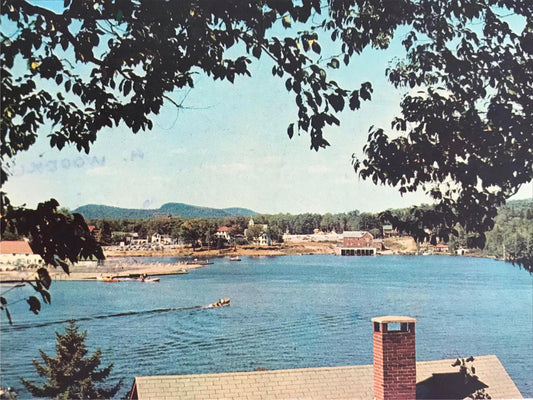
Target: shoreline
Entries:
(94, 273)
(114, 268)
(290, 248)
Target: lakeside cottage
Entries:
(161, 239)
(395, 374)
(263, 239)
(223, 233)
(441, 248)
(389, 231)
(17, 253)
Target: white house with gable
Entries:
(17, 253)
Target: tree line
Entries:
(510, 239)
(204, 229)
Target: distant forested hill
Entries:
(96, 211)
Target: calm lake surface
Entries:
(286, 312)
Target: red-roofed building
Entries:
(223, 233)
(358, 243)
(442, 248)
(17, 253)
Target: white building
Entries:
(17, 253)
(162, 239)
(223, 233)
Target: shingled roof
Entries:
(15, 247)
(355, 234)
(435, 379)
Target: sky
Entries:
(227, 148)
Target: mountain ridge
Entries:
(97, 211)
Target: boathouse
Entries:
(395, 374)
(357, 243)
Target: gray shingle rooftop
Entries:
(435, 379)
(354, 234)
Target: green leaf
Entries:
(346, 59)
(64, 266)
(366, 89)
(46, 296)
(337, 102)
(288, 84)
(334, 63)
(256, 51)
(76, 89)
(290, 131)
(127, 87)
(355, 103)
(44, 277)
(35, 304)
(316, 47)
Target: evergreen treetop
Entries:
(71, 374)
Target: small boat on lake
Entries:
(146, 278)
(150, 280)
(109, 279)
(221, 303)
(235, 258)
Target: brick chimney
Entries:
(394, 358)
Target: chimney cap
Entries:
(393, 319)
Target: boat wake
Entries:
(97, 317)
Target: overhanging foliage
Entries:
(464, 135)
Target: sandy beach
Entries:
(289, 248)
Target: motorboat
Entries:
(235, 258)
(109, 279)
(146, 278)
(221, 303)
(150, 279)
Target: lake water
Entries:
(286, 312)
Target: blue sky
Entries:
(227, 148)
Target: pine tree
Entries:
(71, 375)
